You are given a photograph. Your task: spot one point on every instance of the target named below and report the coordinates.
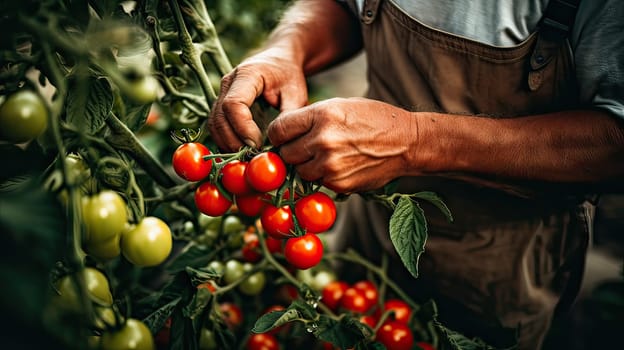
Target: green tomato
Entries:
(207, 340)
(232, 224)
(143, 90)
(104, 216)
(233, 271)
(254, 284)
(217, 266)
(134, 335)
(97, 288)
(207, 222)
(105, 250)
(316, 277)
(23, 117)
(148, 244)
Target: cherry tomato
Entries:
(188, 161)
(148, 244)
(104, 216)
(277, 222)
(274, 245)
(354, 300)
(251, 251)
(134, 335)
(370, 291)
(402, 310)
(262, 341)
(316, 212)
(23, 117)
(425, 346)
(395, 335)
(143, 90)
(233, 178)
(96, 284)
(332, 294)
(233, 271)
(317, 277)
(369, 320)
(232, 314)
(105, 250)
(207, 340)
(210, 201)
(253, 284)
(252, 204)
(266, 172)
(304, 252)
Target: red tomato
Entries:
(370, 292)
(354, 300)
(316, 212)
(277, 222)
(210, 201)
(262, 341)
(332, 294)
(251, 250)
(395, 335)
(188, 161)
(233, 178)
(252, 204)
(425, 346)
(369, 320)
(231, 314)
(274, 245)
(266, 172)
(304, 252)
(402, 311)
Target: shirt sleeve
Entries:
(598, 43)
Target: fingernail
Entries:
(250, 143)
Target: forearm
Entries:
(316, 34)
(562, 147)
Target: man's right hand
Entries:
(270, 74)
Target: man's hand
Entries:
(348, 145)
(278, 80)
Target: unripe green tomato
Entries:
(207, 222)
(105, 250)
(104, 216)
(232, 224)
(23, 117)
(97, 288)
(233, 271)
(217, 266)
(148, 244)
(253, 284)
(207, 340)
(143, 90)
(134, 335)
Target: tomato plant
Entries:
(97, 287)
(23, 116)
(143, 89)
(189, 163)
(231, 314)
(316, 212)
(425, 346)
(104, 216)
(354, 300)
(332, 294)
(402, 310)
(251, 204)
(370, 291)
(147, 244)
(210, 200)
(266, 172)
(304, 252)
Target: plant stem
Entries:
(124, 138)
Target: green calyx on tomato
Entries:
(148, 244)
(23, 117)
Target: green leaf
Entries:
(199, 276)
(274, 319)
(89, 102)
(344, 333)
(408, 232)
(193, 255)
(156, 320)
(136, 116)
(198, 304)
(434, 199)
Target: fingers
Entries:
(290, 125)
(231, 123)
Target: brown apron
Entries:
(507, 261)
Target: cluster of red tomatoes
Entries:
(362, 298)
(252, 187)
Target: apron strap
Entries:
(553, 30)
(370, 9)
